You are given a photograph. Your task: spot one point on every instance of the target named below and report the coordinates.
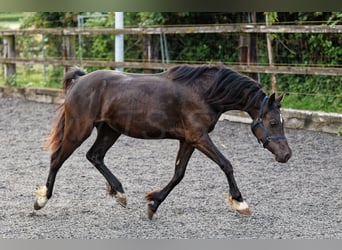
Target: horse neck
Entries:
(233, 91)
(250, 103)
(253, 109)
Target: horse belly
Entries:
(148, 127)
(146, 123)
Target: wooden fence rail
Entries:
(227, 28)
(9, 58)
(331, 71)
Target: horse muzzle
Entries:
(282, 152)
(283, 158)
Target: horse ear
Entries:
(271, 100)
(280, 98)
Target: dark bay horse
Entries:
(183, 103)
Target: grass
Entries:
(10, 19)
(317, 102)
(33, 76)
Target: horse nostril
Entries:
(287, 157)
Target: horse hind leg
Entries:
(106, 137)
(44, 193)
(73, 135)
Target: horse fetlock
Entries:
(41, 197)
(150, 209)
(241, 207)
(152, 196)
(152, 203)
(110, 190)
(121, 198)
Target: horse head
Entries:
(268, 128)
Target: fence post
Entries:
(270, 54)
(9, 52)
(248, 50)
(252, 49)
(243, 45)
(147, 51)
(68, 50)
(151, 51)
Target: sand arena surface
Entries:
(299, 199)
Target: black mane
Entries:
(227, 88)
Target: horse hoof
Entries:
(150, 212)
(41, 198)
(121, 199)
(241, 207)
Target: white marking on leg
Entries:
(178, 161)
(150, 202)
(121, 198)
(241, 207)
(41, 198)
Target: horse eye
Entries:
(273, 123)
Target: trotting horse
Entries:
(183, 103)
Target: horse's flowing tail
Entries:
(57, 132)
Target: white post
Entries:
(119, 39)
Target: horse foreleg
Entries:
(155, 198)
(235, 200)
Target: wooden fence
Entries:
(10, 59)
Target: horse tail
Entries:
(57, 132)
(71, 76)
(55, 138)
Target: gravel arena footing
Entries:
(299, 199)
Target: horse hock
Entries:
(41, 197)
(241, 207)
